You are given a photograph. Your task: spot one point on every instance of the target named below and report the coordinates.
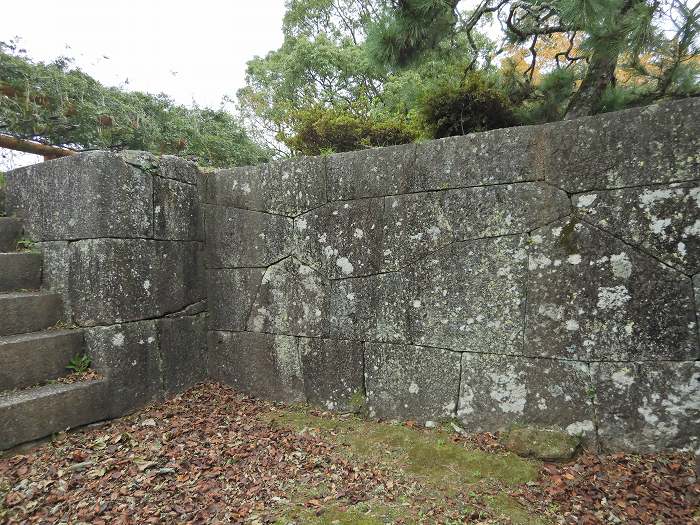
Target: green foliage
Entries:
(319, 130)
(547, 101)
(458, 109)
(25, 244)
(58, 104)
(79, 363)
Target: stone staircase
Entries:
(34, 351)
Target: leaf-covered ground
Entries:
(211, 455)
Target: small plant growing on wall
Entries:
(79, 364)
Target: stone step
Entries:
(25, 312)
(10, 233)
(29, 359)
(20, 271)
(38, 412)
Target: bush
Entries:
(475, 105)
(320, 130)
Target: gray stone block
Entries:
(293, 299)
(288, 187)
(262, 365)
(371, 173)
(238, 238)
(647, 407)
(663, 221)
(495, 157)
(175, 168)
(83, 196)
(183, 351)
(118, 280)
(333, 372)
(411, 382)
(39, 412)
(603, 154)
(176, 212)
(342, 239)
(30, 359)
(232, 293)
(498, 392)
(469, 296)
(56, 271)
(24, 312)
(128, 355)
(10, 233)
(20, 271)
(592, 297)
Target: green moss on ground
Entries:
(443, 467)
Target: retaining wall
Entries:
(535, 275)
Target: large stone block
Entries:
(128, 355)
(592, 297)
(656, 144)
(183, 351)
(118, 280)
(495, 157)
(411, 382)
(56, 271)
(648, 407)
(175, 168)
(421, 223)
(83, 196)
(333, 372)
(371, 173)
(263, 365)
(292, 299)
(231, 293)
(663, 221)
(470, 296)
(373, 308)
(176, 212)
(289, 187)
(342, 239)
(498, 392)
(245, 238)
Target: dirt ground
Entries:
(211, 455)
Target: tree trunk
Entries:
(599, 76)
(28, 146)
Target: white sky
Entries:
(190, 50)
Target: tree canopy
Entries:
(60, 105)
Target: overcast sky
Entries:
(190, 50)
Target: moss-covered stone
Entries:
(541, 443)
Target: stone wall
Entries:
(122, 237)
(534, 275)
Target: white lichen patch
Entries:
(584, 201)
(621, 265)
(413, 388)
(509, 392)
(612, 297)
(118, 339)
(572, 325)
(580, 428)
(574, 259)
(345, 265)
(358, 233)
(623, 378)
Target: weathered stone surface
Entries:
(662, 221)
(495, 157)
(541, 443)
(20, 271)
(232, 293)
(590, 296)
(191, 309)
(263, 365)
(128, 356)
(238, 238)
(371, 173)
(24, 312)
(655, 144)
(292, 299)
(10, 233)
(648, 406)
(183, 351)
(289, 187)
(117, 280)
(342, 239)
(411, 382)
(83, 196)
(498, 392)
(333, 372)
(176, 212)
(175, 168)
(372, 308)
(55, 273)
(469, 296)
(420, 223)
